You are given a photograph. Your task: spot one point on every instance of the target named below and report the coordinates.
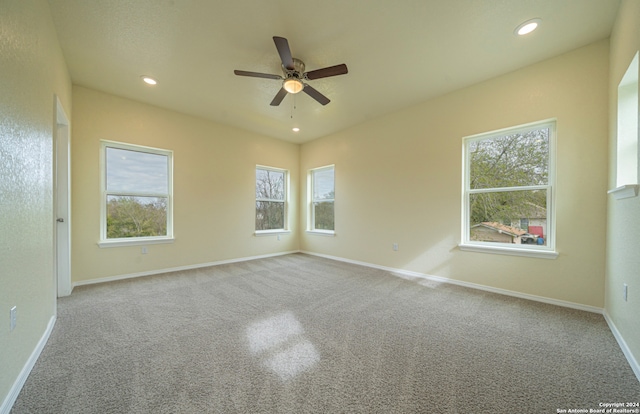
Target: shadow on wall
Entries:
(434, 260)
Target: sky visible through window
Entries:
(324, 185)
(270, 184)
(136, 172)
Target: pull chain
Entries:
(293, 106)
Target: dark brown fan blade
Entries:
(284, 51)
(256, 74)
(316, 95)
(326, 72)
(279, 97)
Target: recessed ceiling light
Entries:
(527, 27)
(149, 80)
(296, 129)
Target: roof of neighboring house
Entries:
(499, 227)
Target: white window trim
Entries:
(133, 241)
(627, 134)
(311, 211)
(624, 191)
(285, 201)
(526, 251)
(259, 233)
(328, 233)
(545, 252)
(138, 241)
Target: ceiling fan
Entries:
(294, 75)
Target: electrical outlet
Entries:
(144, 250)
(625, 288)
(395, 247)
(278, 237)
(13, 318)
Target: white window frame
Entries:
(285, 229)
(549, 250)
(627, 133)
(311, 200)
(132, 241)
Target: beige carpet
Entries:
(302, 334)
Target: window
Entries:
(627, 138)
(508, 192)
(136, 194)
(322, 197)
(271, 198)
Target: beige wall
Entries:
(33, 70)
(623, 244)
(398, 180)
(214, 187)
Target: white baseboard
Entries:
(440, 279)
(176, 269)
(623, 345)
(26, 370)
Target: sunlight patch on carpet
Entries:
(279, 343)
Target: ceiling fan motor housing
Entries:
(296, 72)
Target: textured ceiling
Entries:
(399, 52)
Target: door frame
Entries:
(62, 201)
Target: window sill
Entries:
(624, 191)
(259, 233)
(538, 254)
(138, 241)
(329, 233)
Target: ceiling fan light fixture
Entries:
(527, 27)
(293, 85)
